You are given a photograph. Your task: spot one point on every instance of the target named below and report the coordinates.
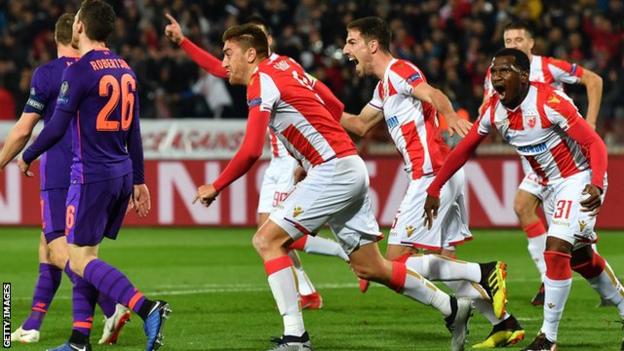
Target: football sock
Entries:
(320, 246)
(110, 281)
(304, 285)
(536, 236)
(601, 277)
(84, 296)
(47, 283)
(107, 305)
(283, 286)
(413, 285)
(557, 284)
(437, 267)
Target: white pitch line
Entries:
(182, 289)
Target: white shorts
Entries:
(333, 193)
(277, 182)
(449, 229)
(531, 184)
(562, 208)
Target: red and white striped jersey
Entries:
(278, 149)
(537, 129)
(547, 70)
(299, 117)
(413, 124)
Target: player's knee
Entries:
(522, 209)
(263, 243)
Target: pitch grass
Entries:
(217, 288)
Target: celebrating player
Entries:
(409, 107)
(570, 161)
(54, 169)
(98, 96)
(554, 72)
(335, 191)
(279, 176)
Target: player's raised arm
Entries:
(426, 93)
(201, 57)
(363, 122)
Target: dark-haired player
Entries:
(98, 98)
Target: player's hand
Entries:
(173, 31)
(459, 126)
(206, 194)
(24, 167)
(141, 200)
(432, 204)
(300, 174)
(593, 202)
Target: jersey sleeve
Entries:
(404, 77)
(262, 92)
(39, 92)
(486, 116)
(376, 101)
(71, 90)
(563, 71)
(204, 59)
(560, 110)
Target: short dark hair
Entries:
(249, 36)
(521, 59)
(519, 24)
(98, 18)
(373, 28)
(259, 21)
(63, 29)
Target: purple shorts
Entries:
(53, 213)
(96, 210)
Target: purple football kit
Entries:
(55, 163)
(98, 100)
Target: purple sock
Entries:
(70, 274)
(84, 297)
(47, 284)
(107, 305)
(110, 281)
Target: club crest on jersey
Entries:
(297, 211)
(531, 121)
(33, 91)
(254, 102)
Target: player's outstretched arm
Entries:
(249, 152)
(362, 123)
(426, 93)
(201, 57)
(593, 84)
(18, 137)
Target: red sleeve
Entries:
(456, 159)
(587, 138)
(250, 150)
(335, 106)
(204, 59)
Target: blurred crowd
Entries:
(451, 41)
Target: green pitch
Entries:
(217, 289)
